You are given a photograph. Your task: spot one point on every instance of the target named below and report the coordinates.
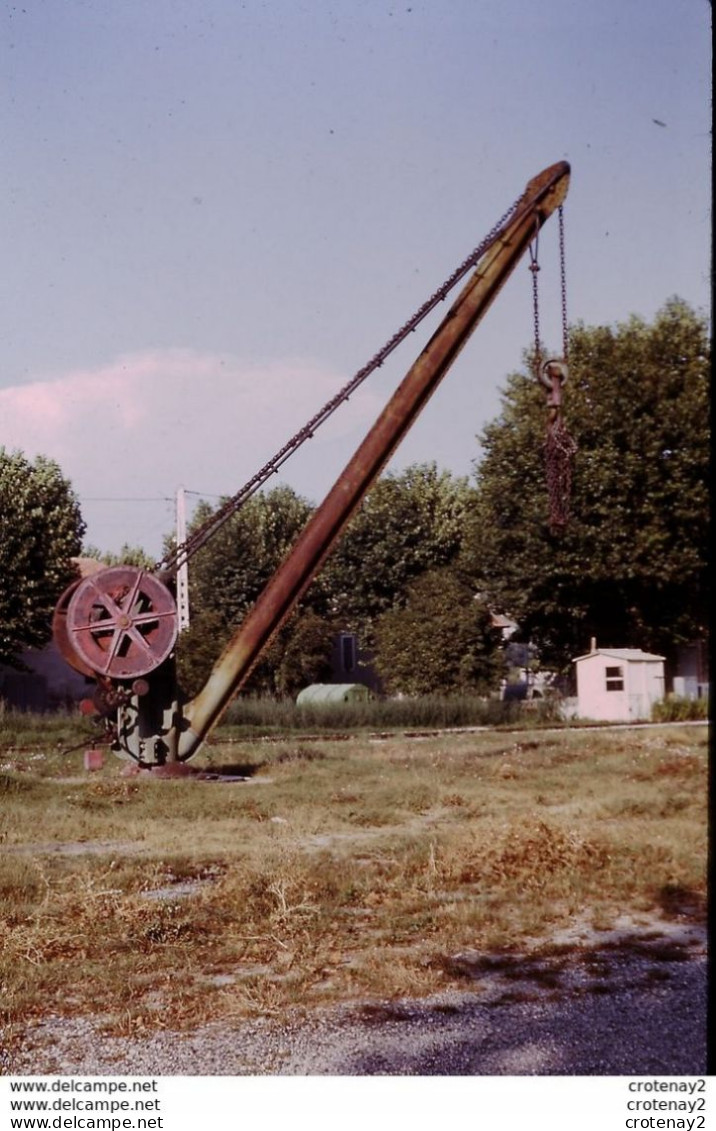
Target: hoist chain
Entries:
(534, 268)
(207, 530)
(560, 448)
(563, 286)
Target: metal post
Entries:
(182, 576)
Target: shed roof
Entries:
(499, 620)
(620, 654)
(88, 566)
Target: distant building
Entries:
(691, 679)
(45, 681)
(352, 664)
(506, 626)
(618, 684)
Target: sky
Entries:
(214, 212)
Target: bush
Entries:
(429, 712)
(676, 709)
(442, 640)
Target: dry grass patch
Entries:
(337, 871)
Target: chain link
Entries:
(534, 268)
(563, 286)
(559, 447)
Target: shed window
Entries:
(615, 679)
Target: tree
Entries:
(409, 523)
(225, 578)
(299, 654)
(41, 531)
(198, 648)
(305, 653)
(630, 568)
(440, 641)
(229, 573)
(128, 555)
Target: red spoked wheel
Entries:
(121, 623)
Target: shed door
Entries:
(638, 707)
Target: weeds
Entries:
(337, 871)
(272, 715)
(676, 709)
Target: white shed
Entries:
(618, 684)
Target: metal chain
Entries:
(182, 553)
(559, 447)
(563, 286)
(534, 268)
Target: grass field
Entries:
(339, 869)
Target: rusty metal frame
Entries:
(543, 195)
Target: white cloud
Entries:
(148, 423)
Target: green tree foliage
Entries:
(409, 523)
(227, 575)
(128, 555)
(305, 653)
(631, 566)
(440, 641)
(299, 654)
(198, 648)
(41, 530)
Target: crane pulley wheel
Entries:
(120, 623)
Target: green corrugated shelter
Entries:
(333, 693)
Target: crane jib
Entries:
(183, 552)
(543, 195)
(119, 626)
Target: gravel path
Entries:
(614, 1010)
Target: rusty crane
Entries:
(119, 626)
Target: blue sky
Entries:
(214, 212)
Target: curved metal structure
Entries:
(155, 727)
(121, 623)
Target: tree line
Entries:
(430, 556)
